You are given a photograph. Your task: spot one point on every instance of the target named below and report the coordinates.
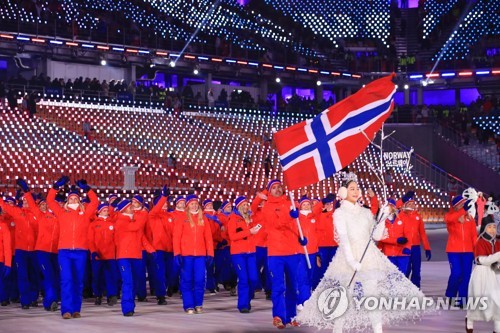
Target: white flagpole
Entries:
(301, 235)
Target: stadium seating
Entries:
(435, 9)
(338, 18)
(172, 19)
(482, 20)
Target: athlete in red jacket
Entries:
(161, 228)
(193, 250)
(103, 254)
(11, 289)
(327, 246)
(260, 239)
(46, 251)
(215, 227)
(74, 221)
(309, 220)
(241, 230)
(5, 260)
(130, 240)
(417, 235)
(396, 245)
(462, 235)
(26, 231)
(282, 253)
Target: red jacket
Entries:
(11, 225)
(309, 224)
(260, 238)
(224, 219)
(325, 227)
(374, 204)
(193, 240)
(130, 238)
(102, 238)
(242, 241)
(282, 233)
(389, 246)
(5, 246)
(215, 228)
(48, 228)
(73, 224)
(461, 236)
(26, 226)
(417, 232)
(160, 227)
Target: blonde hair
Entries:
(246, 216)
(200, 218)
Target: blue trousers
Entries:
(140, 280)
(246, 269)
(305, 277)
(161, 265)
(414, 265)
(283, 270)
(401, 262)
(461, 269)
(326, 253)
(10, 283)
(193, 281)
(211, 283)
(225, 272)
(4, 296)
(49, 266)
(172, 271)
(262, 269)
(72, 264)
(130, 270)
(105, 275)
(28, 276)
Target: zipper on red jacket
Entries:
(463, 237)
(73, 238)
(195, 234)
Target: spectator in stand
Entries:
(87, 128)
(267, 166)
(210, 98)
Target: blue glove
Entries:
(82, 183)
(209, 260)
(468, 205)
(165, 191)
(303, 242)
(94, 256)
(115, 202)
(294, 213)
(23, 185)
(178, 260)
(60, 182)
(6, 271)
(402, 240)
(428, 254)
(406, 251)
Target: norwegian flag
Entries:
(317, 148)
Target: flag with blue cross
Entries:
(317, 148)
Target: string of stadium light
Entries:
(446, 74)
(175, 56)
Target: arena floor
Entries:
(221, 315)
